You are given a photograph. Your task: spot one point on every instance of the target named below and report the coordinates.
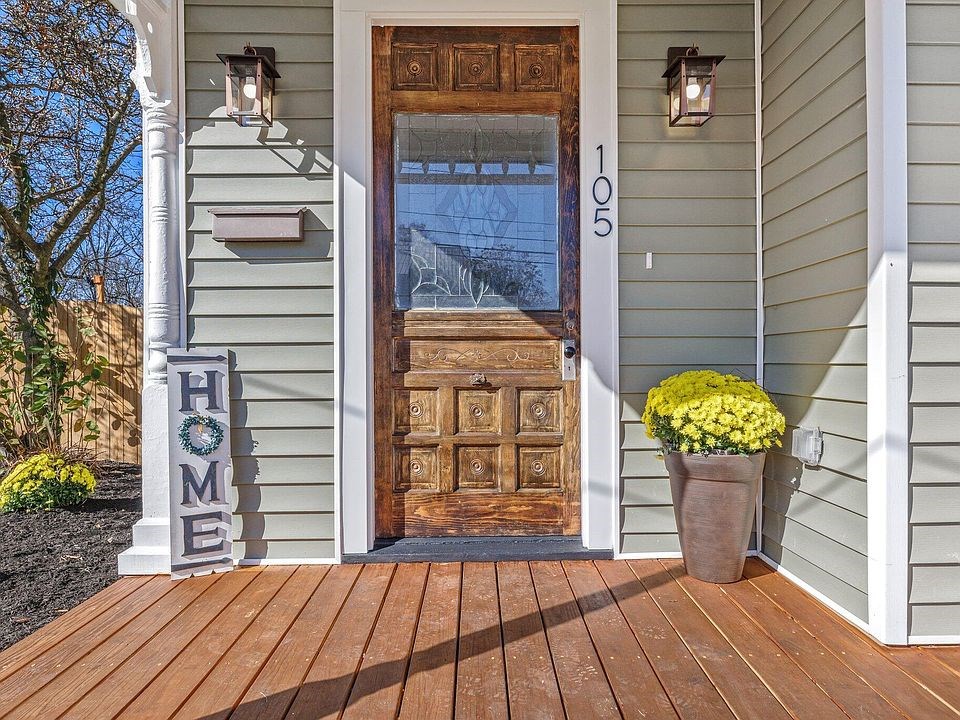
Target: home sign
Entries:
(201, 468)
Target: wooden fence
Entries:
(117, 335)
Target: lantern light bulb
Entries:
(250, 89)
(693, 90)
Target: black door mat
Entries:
(475, 549)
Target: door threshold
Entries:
(478, 549)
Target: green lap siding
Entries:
(933, 150)
(270, 303)
(814, 288)
(686, 196)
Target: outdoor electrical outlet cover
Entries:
(808, 445)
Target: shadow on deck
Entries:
(578, 639)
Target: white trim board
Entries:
(353, 162)
(813, 592)
(247, 562)
(666, 555)
(887, 322)
(934, 639)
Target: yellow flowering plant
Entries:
(703, 411)
(45, 481)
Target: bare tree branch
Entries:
(69, 144)
(100, 173)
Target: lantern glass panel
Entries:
(675, 100)
(266, 105)
(699, 86)
(243, 85)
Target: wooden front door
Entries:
(476, 281)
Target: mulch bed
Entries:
(52, 561)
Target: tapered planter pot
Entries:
(714, 499)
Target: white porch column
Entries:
(157, 78)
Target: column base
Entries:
(150, 553)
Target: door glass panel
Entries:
(476, 222)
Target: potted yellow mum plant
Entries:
(715, 430)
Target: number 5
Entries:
(602, 221)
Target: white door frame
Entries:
(353, 161)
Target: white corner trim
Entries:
(887, 321)
(812, 591)
(758, 191)
(353, 20)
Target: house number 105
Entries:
(602, 192)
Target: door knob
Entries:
(569, 351)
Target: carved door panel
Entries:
(476, 281)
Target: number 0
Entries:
(599, 184)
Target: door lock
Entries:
(569, 367)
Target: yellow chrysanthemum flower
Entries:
(708, 412)
(45, 481)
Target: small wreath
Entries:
(201, 421)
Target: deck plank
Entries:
(926, 671)
(583, 686)
(736, 682)
(56, 631)
(431, 676)
(327, 686)
(859, 655)
(19, 686)
(532, 690)
(792, 687)
(120, 669)
(379, 683)
(173, 685)
(481, 674)
(525, 640)
(276, 685)
(693, 695)
(229, 679)
(946, 655)
(635, 685)
(849, 691)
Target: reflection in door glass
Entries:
(476, 212)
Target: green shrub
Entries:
(45, 481)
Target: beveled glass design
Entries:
(476, 212)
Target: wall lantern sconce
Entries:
(250, 85)
(691, 85)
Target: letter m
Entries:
(194, 490)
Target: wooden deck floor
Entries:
(581, 639)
